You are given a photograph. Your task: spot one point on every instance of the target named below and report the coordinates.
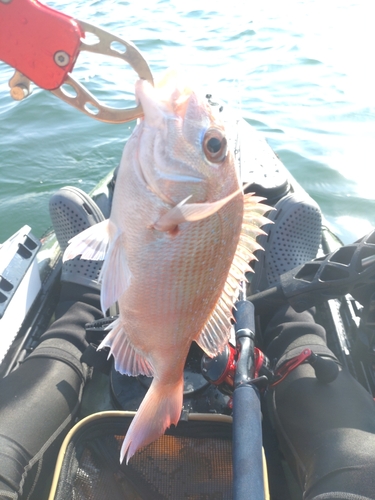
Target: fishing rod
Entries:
(236, 371)
(244, 372)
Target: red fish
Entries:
(178, 242)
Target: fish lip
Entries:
(153, 108)
(158, 106)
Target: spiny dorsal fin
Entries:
(217, 329)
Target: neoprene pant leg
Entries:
(40, 399)
(326, 431)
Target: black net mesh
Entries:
(174, 467)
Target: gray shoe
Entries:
(293, 239)
(72, 211)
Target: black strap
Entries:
(97, 330)
(95, 333)
(97, 359)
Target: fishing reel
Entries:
(221, 370)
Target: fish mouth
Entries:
(170, 97)
(145, 95)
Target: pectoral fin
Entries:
(91, 244)
(190, 212)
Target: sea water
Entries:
(300, 71)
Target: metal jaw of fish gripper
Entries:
(83, 100)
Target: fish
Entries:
(179, 239)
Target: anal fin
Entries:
(127, 360)
(216, 332)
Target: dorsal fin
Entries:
(217, 329)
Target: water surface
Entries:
(300, 71)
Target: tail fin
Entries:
(160, 408)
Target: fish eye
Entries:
(215, 145)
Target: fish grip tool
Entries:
(43, 44)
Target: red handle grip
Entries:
(40, 42)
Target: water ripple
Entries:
(294, 73)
